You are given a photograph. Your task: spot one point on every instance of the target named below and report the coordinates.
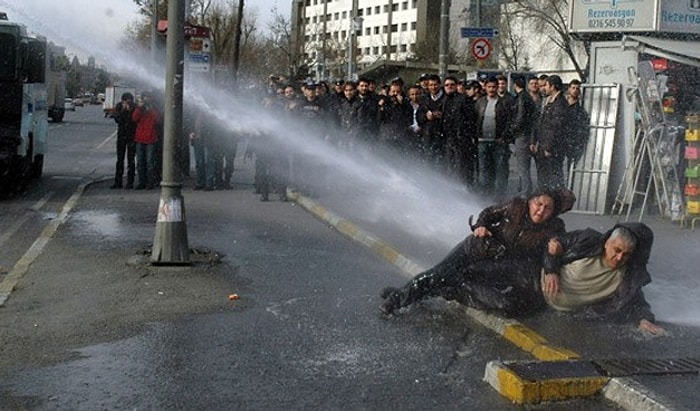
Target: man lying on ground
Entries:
(599, 275)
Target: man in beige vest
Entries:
(601, 275)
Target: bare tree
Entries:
(281, 39)
(549, 17)
(512, 43)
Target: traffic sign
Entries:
(481, 48)
(198, 61)
(472, 32)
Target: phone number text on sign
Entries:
(610, 23)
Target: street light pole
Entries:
(170, 245)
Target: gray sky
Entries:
(83, 26)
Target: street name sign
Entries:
(472, 32)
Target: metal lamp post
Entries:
(170, 245)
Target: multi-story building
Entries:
(337, 37)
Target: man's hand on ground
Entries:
(651, 328)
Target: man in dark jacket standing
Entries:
(524, 117)
(551, 144)
(126, 147)
(433, 144)
(458, 125)
(601, 275)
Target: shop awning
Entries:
(685, 52)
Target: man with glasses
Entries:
(458, 121)
(433, 137)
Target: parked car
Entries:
(78, 102)
(68, 104)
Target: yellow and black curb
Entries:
(560, 374)
(534, 382)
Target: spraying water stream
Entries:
(425, 205)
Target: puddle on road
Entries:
(108, 224)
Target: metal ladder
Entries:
(647, 166)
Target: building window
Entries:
(375, 50)
(392, 49)
(335, 35)
(360, 12)
(336, 16)
(404, 26)
(306, 39)
(394, 28)
(369, 11)
(376, 30)
(314, 19)
(404, 5)
(345, 14)
(368, 31)
(386, 8)
(367, 51)
(403, 48)
(413, 25)
(377, 9)
(412, 46)
(344, 34)
(384, 29)
(395, 7)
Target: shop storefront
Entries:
(627, 37)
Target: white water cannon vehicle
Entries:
(24, 73)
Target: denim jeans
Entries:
(523, 165)
(146, 164)
(493, 168)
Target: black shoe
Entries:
(392, 300)
(387, 291)
(389, 305)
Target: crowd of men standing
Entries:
(465, 129)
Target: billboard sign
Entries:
(680, 16)
(601, 16)
(626, 16)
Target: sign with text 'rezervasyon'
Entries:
(603, 16)
(623, 16)
(680, 16)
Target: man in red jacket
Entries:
(147, 119)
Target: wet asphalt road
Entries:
(91, 326)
